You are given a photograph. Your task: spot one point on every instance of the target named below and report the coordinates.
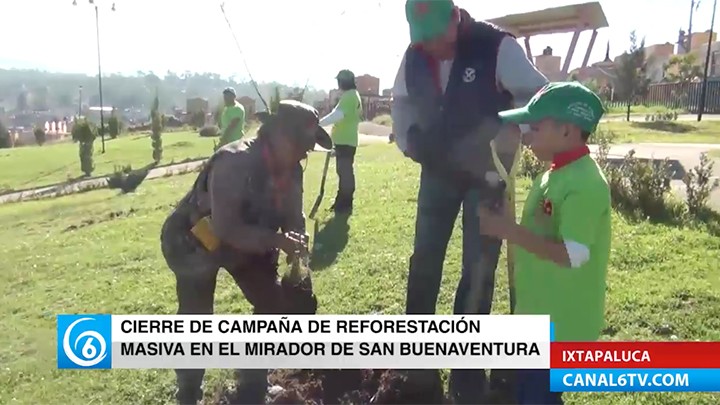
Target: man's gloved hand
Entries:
(293, 243)
(299, 243)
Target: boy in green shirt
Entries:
(563, 239)
(232, 120)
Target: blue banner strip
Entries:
(635, 380)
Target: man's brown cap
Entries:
(300, 119)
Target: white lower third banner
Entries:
(329, 355)
(319, 341)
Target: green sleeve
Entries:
(581, 214)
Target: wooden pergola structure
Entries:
(575, 18)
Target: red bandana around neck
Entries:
(569, 156)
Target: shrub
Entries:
(5, 141)
(39, 133)
(209, 131)
(84, 133)
(649, 185)
(113, 126)
(384, 119)
(699, 184)
(117, 179)
(667, 116)
(602, 136)
(126, 179)
(530, 166)
(640, 189)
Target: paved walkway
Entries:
(56, 190)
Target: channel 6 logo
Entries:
(83, 341)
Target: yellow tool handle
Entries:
(204, 233)
(510, 191)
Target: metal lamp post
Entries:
(703, 91)
(79, 101)
(100, 90)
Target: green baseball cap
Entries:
(428, 19)
(568, 102)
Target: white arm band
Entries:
(578, 253)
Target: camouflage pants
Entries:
(196, 272)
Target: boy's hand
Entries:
(494, 224)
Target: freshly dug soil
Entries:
(320, 387)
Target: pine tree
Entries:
(85, 133)
(156, 126)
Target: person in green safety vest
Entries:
(345, 118)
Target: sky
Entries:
(289, 41)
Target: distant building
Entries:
(700, 48)
(657, 56)
(602, 73)
(368, 85)
(549, 65)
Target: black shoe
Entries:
(251, 394)
(186, 396)
(463, 390)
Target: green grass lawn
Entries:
(33, 166)
(98, 252)
(664, 131)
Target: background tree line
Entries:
(39, 90)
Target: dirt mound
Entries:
(320, 387)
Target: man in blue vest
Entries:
(454, 78)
